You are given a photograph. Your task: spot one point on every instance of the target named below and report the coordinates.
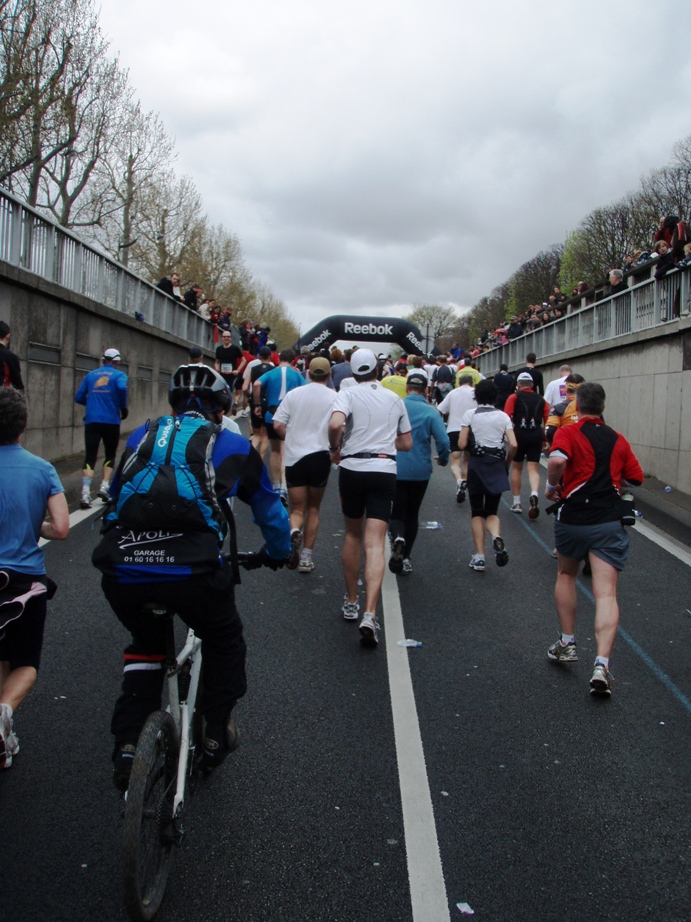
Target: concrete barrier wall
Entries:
(59, 336)
(647, 380)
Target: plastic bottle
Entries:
(409, 643)
(430, 525)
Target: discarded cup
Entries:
(430, 525)
(668, 489)
(409, 643)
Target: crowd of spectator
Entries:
(671, 249)
(247, 335)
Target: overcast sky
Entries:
(372, 154)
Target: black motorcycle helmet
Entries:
(198, 387)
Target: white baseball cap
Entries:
(363, 362)
(112, 354)
(524, 376)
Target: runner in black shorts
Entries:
(369, 493)
(368, 426)
(310, 471)
(302, 419)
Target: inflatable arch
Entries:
(360, 330)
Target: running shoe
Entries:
(369, 630)
(517, 508)
(219, 742)
(563, 653)
(501, 555)
(283, 493)
(460, 491)
(397, 552)
(306, 565)
(554, 553)
(601, 682)
(477, 562)
(534, 511)
(587, 569)
(122, 765)
(85, 501)
(103, 493)
(351, 610)
(295, 539)
(407, 565)
(9, 744)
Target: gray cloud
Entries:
(372, 156)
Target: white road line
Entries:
(427, 886)
(665, 541)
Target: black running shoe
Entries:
(123, 761)
(534, 510)
(460, 491)
(397, 552)
(219, 742)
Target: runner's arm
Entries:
(58, 527)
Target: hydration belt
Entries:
(369, 454)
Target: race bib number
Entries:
(226, 368)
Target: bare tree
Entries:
(270, 311)
(437, 318)
(667, 191)
(170, 224)
(141, 153)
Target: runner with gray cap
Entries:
(368, 425)
(104, 394)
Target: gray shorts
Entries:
(609, 541)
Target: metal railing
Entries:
(33, 242)
(643, 306)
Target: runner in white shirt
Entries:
(556, 390)
(302, 419)
(369, 424)
(456, 404)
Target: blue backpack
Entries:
(168, 483)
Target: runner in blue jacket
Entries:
(414, 469)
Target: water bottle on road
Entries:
(430, 525)
(409, 643)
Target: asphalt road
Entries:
(548, 804)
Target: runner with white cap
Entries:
(104, 394)
(368, 425)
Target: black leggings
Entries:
(207, 605)
(93, 434)
(406, 507)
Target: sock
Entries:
(516, 499)
(534, 493)
(602, 661)
(306, 553)
(86, 482)
(567, 639)
(459, 482)
(10, 712)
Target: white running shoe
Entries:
(85, 502)
(369, 630)
(306, 565)
(351, 610)
(103, 493)
(517, 508)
